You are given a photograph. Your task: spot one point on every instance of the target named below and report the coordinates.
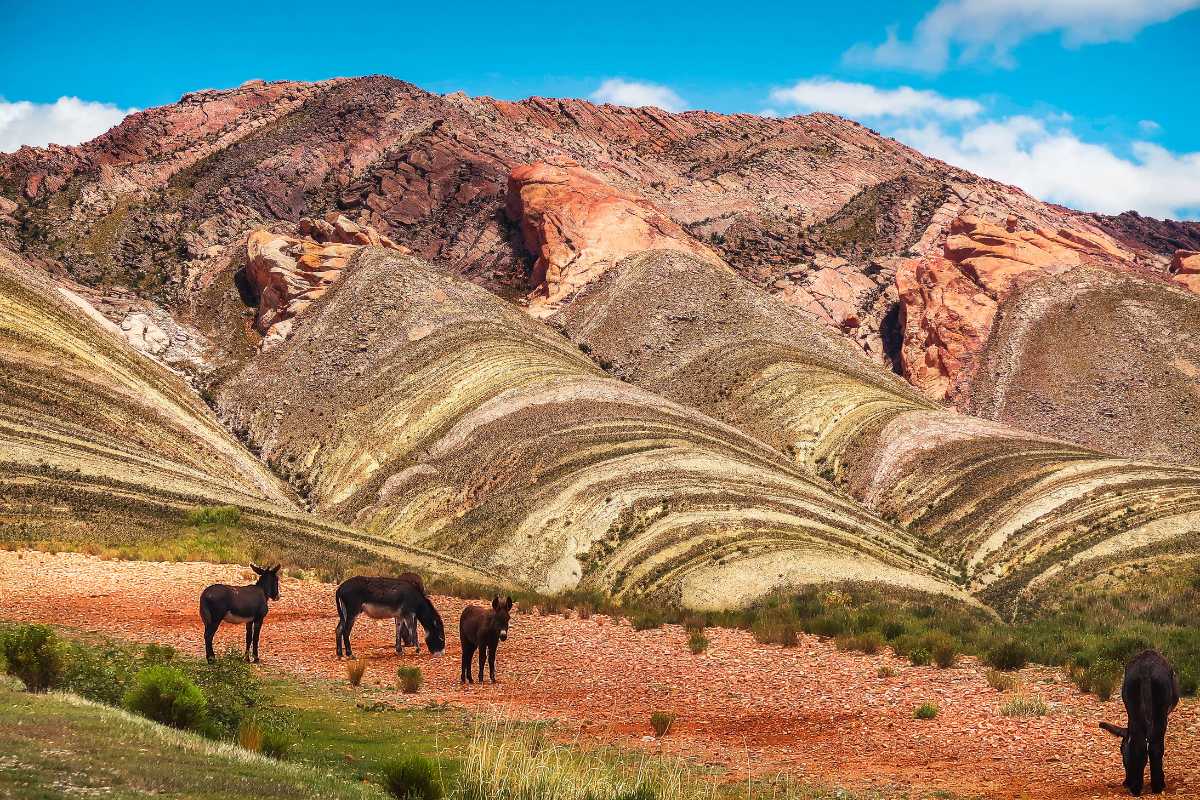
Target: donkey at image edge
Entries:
(1150, 692)
(483, 629)
(239, 604)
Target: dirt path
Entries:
(811, 711)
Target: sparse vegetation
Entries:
(661, 722)
(226, 516)
(1021, 706)
(697, 642)
(164, 694)
(1007, 655)
(776, 626)
(647, 619)
(1002, 681)
(409, 679)
(927, 711)
(355, 668)
(412, 777)
(35, 655)
(885, 672)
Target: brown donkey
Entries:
(483, 629)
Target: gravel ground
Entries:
(810, 711)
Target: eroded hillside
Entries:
(425, 409)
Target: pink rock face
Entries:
(1185, 269)
(577, 227)
(289, 273)
(948, 304)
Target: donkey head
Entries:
(1133, 757)
(500, 614)
(268, 580)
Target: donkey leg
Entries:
(492, 663)
(399, 638)
(1158, 780)
(468, 651)
(210, 630)
(249, 638)
(257, 630)
(483, 649)
(347, 626)
(338, 636)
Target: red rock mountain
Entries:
(197, 210)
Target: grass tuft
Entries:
(355, 670)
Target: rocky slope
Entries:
(100, 444)
(427, 410)
(1026, 517)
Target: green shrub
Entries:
(1024, 707)
(1102, 678)
(870, 642)
(926, 711)
(697, 642)
(943, 648)
(411, 777)
(776, 626)
(164, 694)
(893, 629)
(278, 741)
(409, 679)
(920, 656)
(232, 689)
(214, 515)
(1007, 654)
(99, 673)
(35, 655)
(661, 722)
(646, 619)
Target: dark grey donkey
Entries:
(406, 624)
(386, 598)
(239, 605)
(1150, 693)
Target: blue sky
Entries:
(1093, 103)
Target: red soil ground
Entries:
(809, 711)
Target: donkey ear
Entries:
(257, 569)
(275, 568)
(1115, 730)
(508, 603)
(496, 602)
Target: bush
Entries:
(661, 722)
(355, 670)
(920, 656)
(164, 694)
(646, 619)
(893, 629)
(944, 649)
(231, 688)
(409, 679)
(35, 655)
(1002, 681)
(870, 642)
(278, 741)
(214, 515)
(100, 674)
(926, 711)
(1007, 655)
(776, 626)
(885, 672)
(1102, 678)
(411, 777)
(697, 642)
(1024, 707)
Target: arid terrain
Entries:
(811, 711)
(684, 361)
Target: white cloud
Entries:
(66, 121)
(1055, 165)
(991, 29)
(861, 100)
(636, 94)
(1148, 127)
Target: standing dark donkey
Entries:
(1150, 692)
(485, 630)
(239, 604)
(387, 598)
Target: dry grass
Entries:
(355, 670)
(1003, 681)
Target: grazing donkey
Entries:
(239, 604)
(485, 630)
(1150, 692)
(387, 598)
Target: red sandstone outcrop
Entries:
(289, 273)
(577, 227)
(1185, 269)
(948, 303)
